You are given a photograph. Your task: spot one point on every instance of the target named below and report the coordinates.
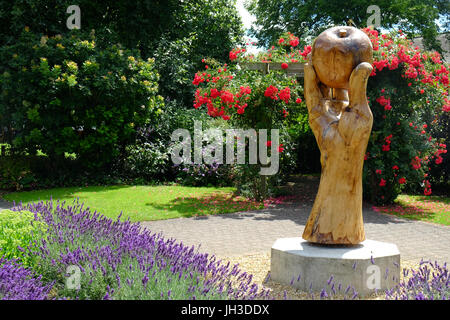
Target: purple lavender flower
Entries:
(323, 294)
(19, 283)
(109, 251)
(430, 282)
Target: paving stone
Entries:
(256, 231)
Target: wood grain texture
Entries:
(337, 51)
(341, 121)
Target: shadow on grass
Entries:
(431, 209)
(209, 204)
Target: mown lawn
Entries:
(432, 209)
(143, 203)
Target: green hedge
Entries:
(65, 95)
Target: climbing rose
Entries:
(382, 182)
(284, 65)
(285, 94)
(294, 42)
(227, 97)
(214, 93)
(402, 180)
(271, 92)
(233, 55)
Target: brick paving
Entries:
(255, 231)
(5, 204)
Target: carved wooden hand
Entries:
(342, 128)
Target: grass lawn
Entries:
(143, 203)
(432, 209)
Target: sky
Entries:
(247, 20)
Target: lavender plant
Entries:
(19, 283)
(430, 282)
(121, 260)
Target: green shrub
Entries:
(148, 161)
(16, 173)
(65, 95)
(19, 230)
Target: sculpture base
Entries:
(367, 267)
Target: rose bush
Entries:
(408, 91)
(251, 99)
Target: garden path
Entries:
(254, 232)
(5, 204)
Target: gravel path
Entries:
(253, 232)
(5, 204)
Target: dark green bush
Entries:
(64, 95)
(147, 161)
(16, 173)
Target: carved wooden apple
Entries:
(337, 51)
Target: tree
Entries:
(177, 33)
(310, 17)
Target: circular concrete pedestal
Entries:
(307, 266)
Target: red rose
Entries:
(285, 94)
(402, 180)
(271, 92)
(233, 55)
(294, 42)
(284, 65)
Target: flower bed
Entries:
(121, 260)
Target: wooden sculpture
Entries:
(339, 115)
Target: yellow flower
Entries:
(44, 40)
(123, 78)
(27, 28)
(72, 66)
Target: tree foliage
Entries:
(310, 17)
(176, 33)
